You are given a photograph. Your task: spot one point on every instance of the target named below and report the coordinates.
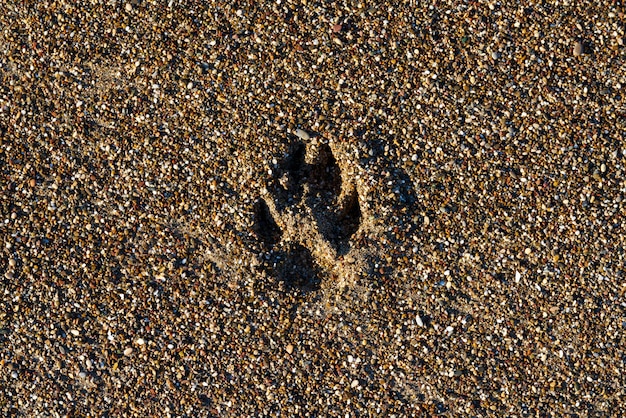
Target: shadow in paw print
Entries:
(349, 218)
(288, 184)
(298, 269)
(293, 264)
(336, 210)
(325, 177)
(264, 225)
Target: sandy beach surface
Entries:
(305, 208)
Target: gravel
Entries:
(206, 209)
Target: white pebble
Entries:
(12, 262)
(419, 321)
(128, 351)
(449, 329)
(354, 383)
(74, 332)
(302, 134)
(518, 276)
(140, 341)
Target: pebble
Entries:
(418, 320)
(302, 134)
(128, 351)
(289, 348)
(578, 49)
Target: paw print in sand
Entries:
(307, 216)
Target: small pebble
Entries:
(578, 49)
(289, 348)
(354, 383)
(128, 351)
(302, 134)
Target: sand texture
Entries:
(312, 208)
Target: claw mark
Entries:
(264, 225)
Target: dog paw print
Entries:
(307, 216)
